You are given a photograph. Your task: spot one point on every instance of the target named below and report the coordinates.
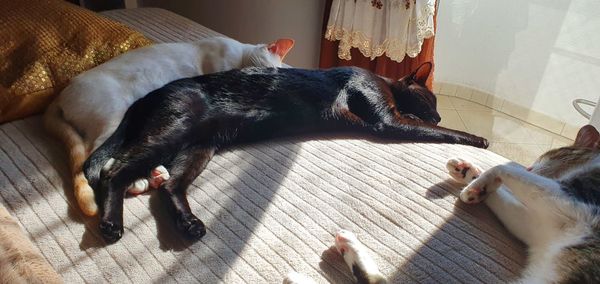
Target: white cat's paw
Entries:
(462, 171)
(481, 188)
(347, 241)
(138, 187)
(158, 176)
(357, 258)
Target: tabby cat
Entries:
(553, 207)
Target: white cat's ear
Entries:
(588, 137)
(281, 47)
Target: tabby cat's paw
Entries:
(480, 188)
(111, 232)
(191, 227)
(473, 195)
(462, 171)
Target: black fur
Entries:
(360, 275)
(182, 124)
(584, 187)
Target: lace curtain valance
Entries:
(377, 27)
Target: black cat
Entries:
(182, 124)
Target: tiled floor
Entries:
(508, 136)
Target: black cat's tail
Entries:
(94, 165)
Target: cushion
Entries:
(45, 43)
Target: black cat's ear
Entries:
(587, 137)
(421, 74)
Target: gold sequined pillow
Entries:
(45, 43)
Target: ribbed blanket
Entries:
(270, 208)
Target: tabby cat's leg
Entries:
(517, 218)
(508, 209)
(186, 166)
(524, 204)
(462, 171)
(526, 186)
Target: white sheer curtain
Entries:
(377, 27)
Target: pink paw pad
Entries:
(462, 171)
(341, 240)
(473, 195)
(158, 176)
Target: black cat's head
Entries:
(413, 98)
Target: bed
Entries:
(270, 208)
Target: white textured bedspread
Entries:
(270, 208)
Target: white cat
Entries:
(553, 207)
(91, 107)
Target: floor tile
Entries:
(509, 136)
(461, 104)
(463, 92)
(451, 119)
(443, 102)
(479, 97)
(570, 131)
(533, 117)
(448, 89)
(524, 154)
(558, 142)
(499, 127)
(494, 102)
(436, 88)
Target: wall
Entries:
(259, 21)
(539, 54)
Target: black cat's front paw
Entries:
(480, 142)
(111, 232)
(485, 143)
(191, 226)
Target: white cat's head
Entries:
(268, 55)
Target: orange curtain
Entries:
(381, 65)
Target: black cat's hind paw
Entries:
(191, 227)
(111, 232)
